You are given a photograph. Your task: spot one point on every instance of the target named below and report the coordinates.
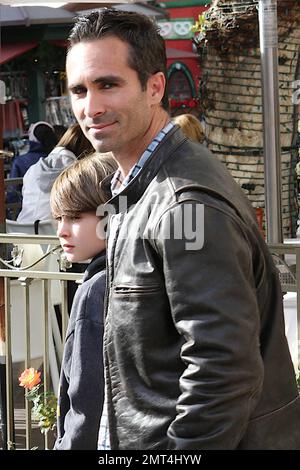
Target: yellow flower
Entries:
(29, 378)
(202, 25)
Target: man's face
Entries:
(107, 98)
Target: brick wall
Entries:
(232, 98)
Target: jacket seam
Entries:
(275, 411)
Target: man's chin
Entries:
(100, 141)
(103, 146)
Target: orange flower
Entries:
(29, 378)
(44, 403)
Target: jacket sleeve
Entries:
(85, 389)
(212, 296)
(15, 170)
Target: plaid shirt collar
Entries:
(117, 183)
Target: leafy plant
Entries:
(201, 26)
(44, 403)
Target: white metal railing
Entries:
(28, 297)
(287, 260)
(289, 275)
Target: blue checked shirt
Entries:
(117, 184)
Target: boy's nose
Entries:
(63, 229)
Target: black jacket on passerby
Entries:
(81, 388)
(195, 350)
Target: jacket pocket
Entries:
(137, 290)
(278, 430)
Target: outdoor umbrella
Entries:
(56, 4)
(28, 15)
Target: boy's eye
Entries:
(58, 219)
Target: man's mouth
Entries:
(99, 127)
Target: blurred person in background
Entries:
(42, 140)
(191, 127)
(38, 180)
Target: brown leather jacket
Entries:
(195, 351)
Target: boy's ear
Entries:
(156, 87)
(101, 228)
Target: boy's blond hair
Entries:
(78, 188)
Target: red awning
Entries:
(59, 42)
(10, 51)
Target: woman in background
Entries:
(39, 179)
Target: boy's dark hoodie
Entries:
(80, 401)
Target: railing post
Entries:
(9, 375)
(64, 308)
(45, 284)
(25, 282)
(298, 295)
(3, 397)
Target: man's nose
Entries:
(94, 105)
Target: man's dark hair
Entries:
(147, 53)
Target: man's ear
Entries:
(156, 87)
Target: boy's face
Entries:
(78, 236)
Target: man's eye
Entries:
(78, 90)
(107, 86)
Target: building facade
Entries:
(182, 59)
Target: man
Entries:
(195, 351)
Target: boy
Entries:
(75, 196)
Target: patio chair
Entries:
(39, 227)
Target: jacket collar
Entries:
(165, 150)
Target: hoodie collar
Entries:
(97, 264)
